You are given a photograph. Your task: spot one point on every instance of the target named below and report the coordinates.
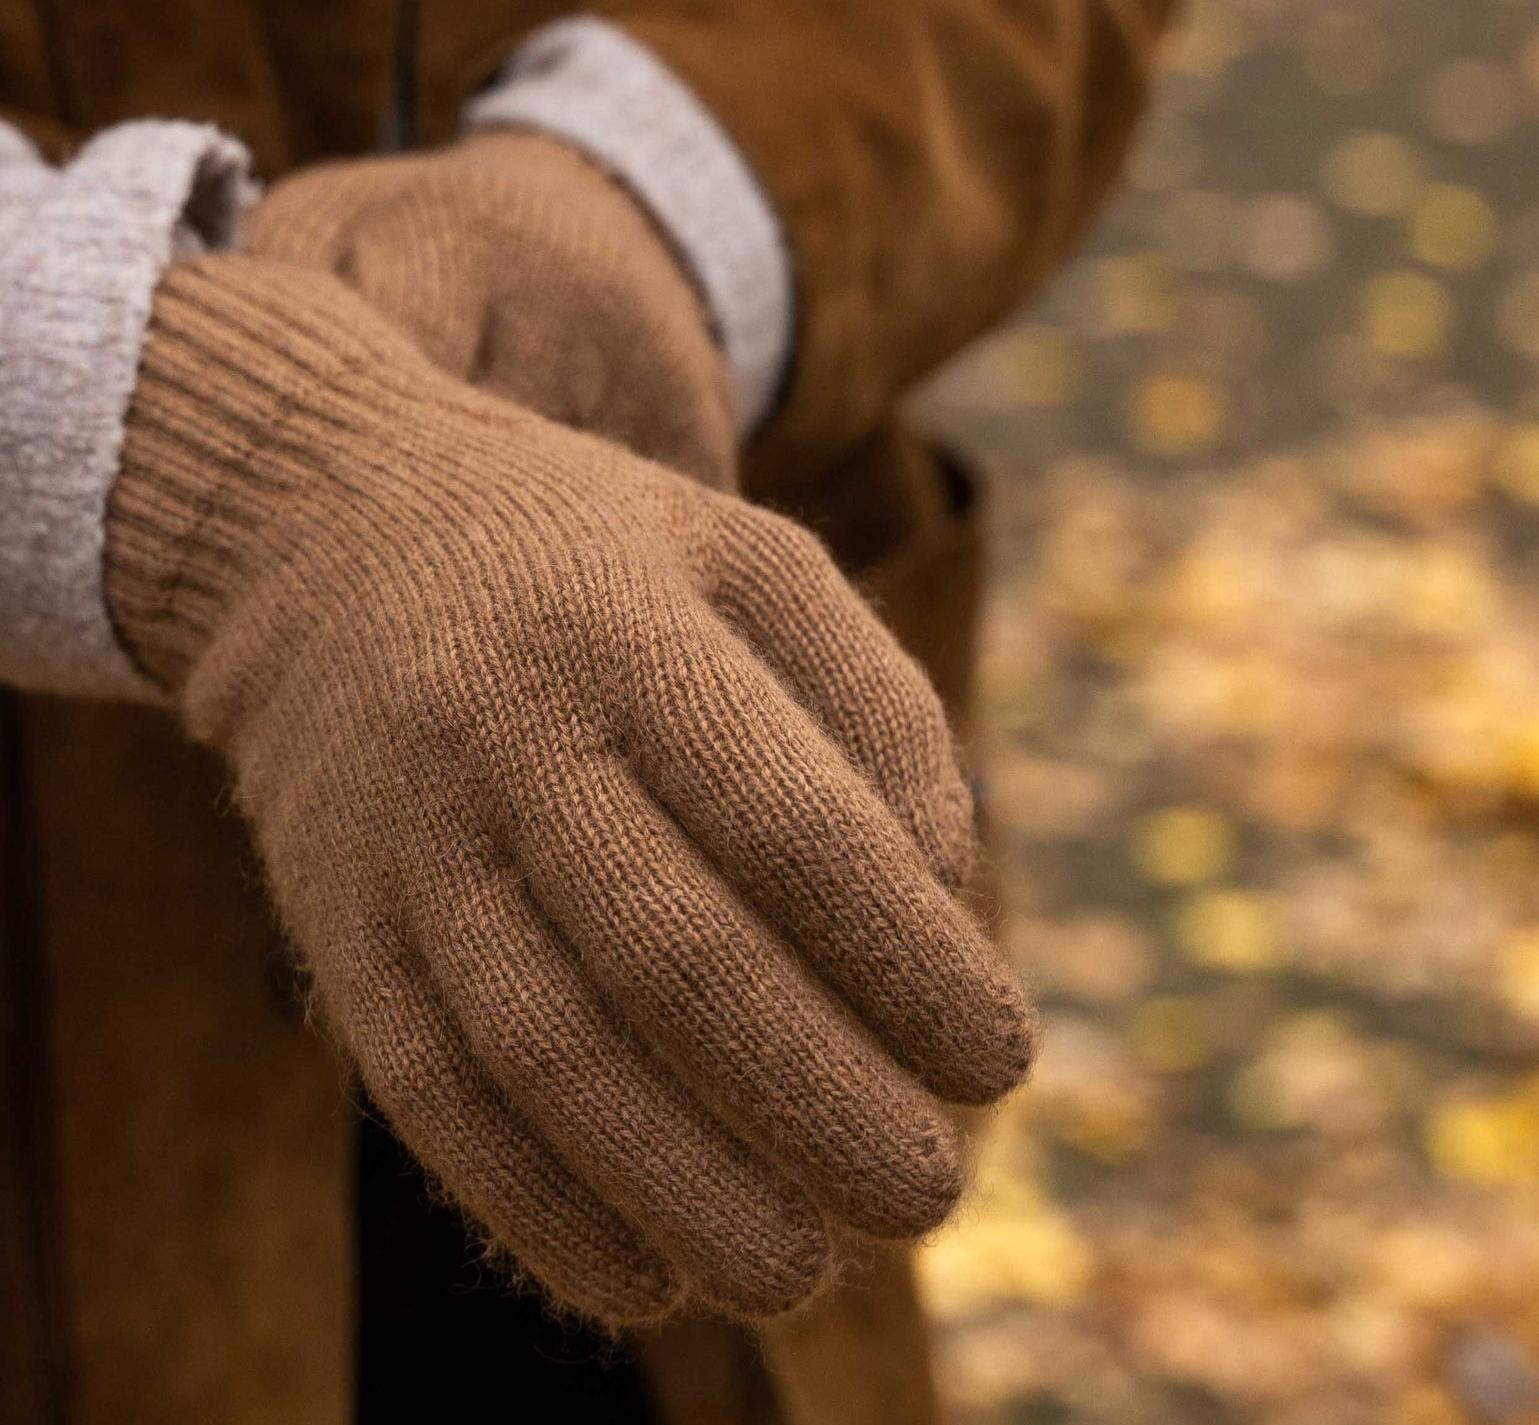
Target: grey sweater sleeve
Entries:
(81, 249)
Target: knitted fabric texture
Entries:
(612, 825)
(515, 263)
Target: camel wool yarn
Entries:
(614, 830)
(515, 263)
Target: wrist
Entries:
(597, 320)
(593, 85)
(598, 211)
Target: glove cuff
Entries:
(263, 392)
(591, 84)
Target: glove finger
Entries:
(782, 592)
(309, 219)
(741, 1234)
(417, 261)
(421, 1073)
(398, 236)
(638, 367)
(800, 832)
(717, 991)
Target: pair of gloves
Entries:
(619, 837)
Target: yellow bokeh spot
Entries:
(1132, 294)
(1452, 226)
(1032, 1253)
(1211, 587)
(1427, 1405)
(1518, 972)
(1519, 756)
(1230, 930)
(1252, 694)
(1287, 237)
(1492, 1141)
(1047, 368)
(1471, 101)
(1373, 173)
(1032, 365)
(1445, 591)
(1169, 1034)
(1111, 1126)
(1213, 36)
(1183, 846)
(1516, 466)
(1177, 415)
(1425, 1266)
(1467, 753)
(1406, 314)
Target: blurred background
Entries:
(1262, 719)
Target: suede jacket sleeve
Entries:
(929, 160)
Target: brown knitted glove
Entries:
(517, 264)
(607, 817)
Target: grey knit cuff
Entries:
(586, 81)
(81, 249)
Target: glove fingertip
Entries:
(779, 1277)
(1004, 1061)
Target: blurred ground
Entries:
(1262, 699)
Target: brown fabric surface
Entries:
(201, 1131)
(295, 80)
(33, 1362)
(593, 899)
(707, 1370)
(281, 1310)
(516, 264)
(903, 518)
(859, 1355)
(932, 160)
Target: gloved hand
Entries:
(518, 265)
(612, 825)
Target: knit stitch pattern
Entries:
(517, 264)
(614, 829)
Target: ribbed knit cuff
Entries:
(589, 83)
(256, 429)
(81, 250)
